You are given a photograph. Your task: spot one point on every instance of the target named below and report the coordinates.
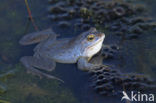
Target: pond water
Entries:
(136, 56)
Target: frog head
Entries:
(91, 42)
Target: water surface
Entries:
(138, 56)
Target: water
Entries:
(138, 56)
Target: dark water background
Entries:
(139, 56)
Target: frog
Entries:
(51, 49)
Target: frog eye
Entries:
(90, 37)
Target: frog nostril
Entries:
(100, 34)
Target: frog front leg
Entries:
(31, 63)
(84, 65)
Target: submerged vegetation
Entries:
(16, 86)
(127, 25)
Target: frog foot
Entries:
(36, 72)
(30, 63)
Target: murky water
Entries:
(138, 56)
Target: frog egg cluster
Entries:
(110, 82)
(122, 18)
(108, 51)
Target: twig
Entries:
(30, 16)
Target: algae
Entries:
(17, 86)
(20, 87)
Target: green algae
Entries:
(16, 85)
(29, 88)
(8, 74)
(3, 88)
(3, 78)
(20, 87)
(4, 101)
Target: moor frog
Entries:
(79, 49)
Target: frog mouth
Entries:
(96, 43)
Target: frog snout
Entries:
(101, 35)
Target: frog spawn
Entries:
(108, 51)
(124, 19)
(110, 82)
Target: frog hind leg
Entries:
(31, 62)
(37, 37)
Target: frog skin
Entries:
(49, 50)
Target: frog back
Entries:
(60, 51)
